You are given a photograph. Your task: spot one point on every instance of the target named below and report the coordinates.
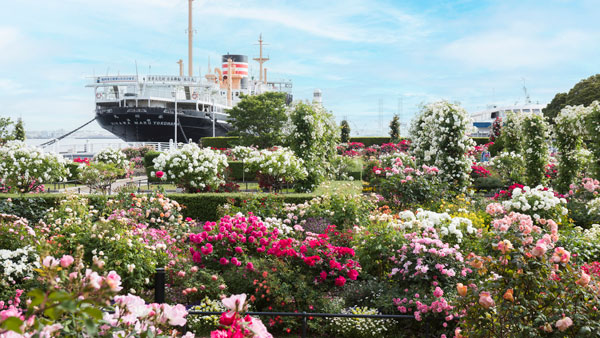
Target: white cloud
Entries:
(517, 48)
(357, 21)
(10, 87)
(14, 46)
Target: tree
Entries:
(345, 131)
(260, 120)
(395, 129)
(5, 129)
(19, 132)
(583, 93)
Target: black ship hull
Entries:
(150, 124)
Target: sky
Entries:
(371, 58)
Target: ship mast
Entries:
(190, 37)
(260, 59)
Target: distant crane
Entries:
(527, 98)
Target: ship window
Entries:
(494, 114)
(536, 110)
(516, 110)
(526, 110)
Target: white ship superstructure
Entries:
(483, 120)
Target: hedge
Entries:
(371, 140)
(481, 140)
(149, 165)
(204, 207)
(220, 142)
(230, 141)
(237, 172)
(200, 207)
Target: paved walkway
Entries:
(119, 183)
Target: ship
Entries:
(484, 119)
(167, 108)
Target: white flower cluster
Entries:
(281, 163)
(18, 264)
(443, 222)
(284, 226)
(22, 166)
(206, 322)
(594, 207)
(440, 139)
(192, 166)
(114, 156)
(240, 153)
(592, 234)
(511, 131)
(571, 120)
(361, 327)
(534, 200)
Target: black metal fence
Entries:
(159, 297)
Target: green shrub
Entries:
(34, 208)
(487, 183)
(371, 140)
(220, 142)
(481, 140)
(149, 165)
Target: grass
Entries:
(339, 188)
(327, 187)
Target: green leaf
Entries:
(93, 312)
(37, 297)
(90, 326)
(12, 324)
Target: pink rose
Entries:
(563, 324)
(235, 302)
(539, 250)
(486, 300)
(352, 274)
(49, 262)
(160, 174)
(66, 260)
(340, 281)
(113, 280)
(259, 329)
(438, 292)
(584, 280)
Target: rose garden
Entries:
(420, 227)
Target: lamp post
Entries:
(175, 117)
(213, 116)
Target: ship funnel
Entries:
(240, 64)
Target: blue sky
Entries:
(358, 52)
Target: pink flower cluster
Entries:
(134, 316)
(234, 241)
(417, 258)
(418, 305)
(525, 227)
(235, 325)
(408, 173)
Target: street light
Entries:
(212, 108)
(175, 117)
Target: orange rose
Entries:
(508, 295)
(462, 289)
